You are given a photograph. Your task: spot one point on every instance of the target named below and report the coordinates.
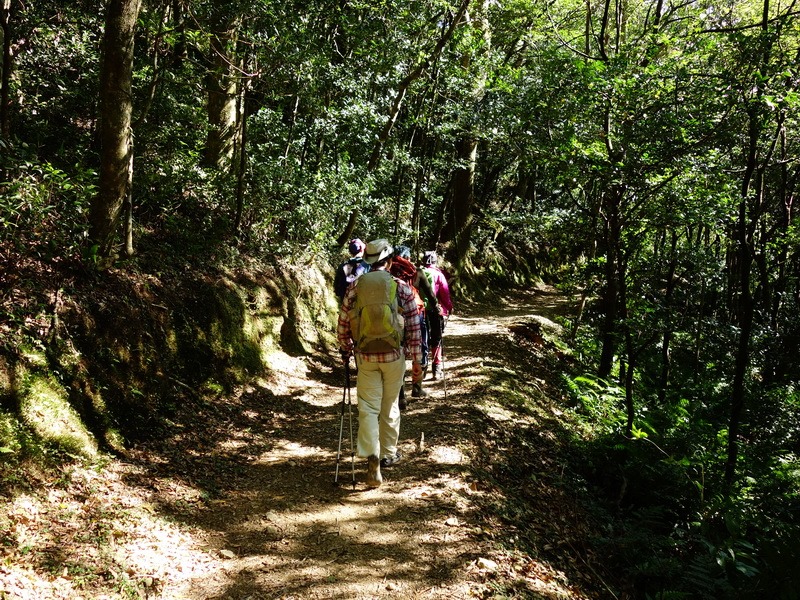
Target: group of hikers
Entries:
(390, 311)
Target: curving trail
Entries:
(240, 502)
(284, 530)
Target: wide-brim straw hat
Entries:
(377, 250)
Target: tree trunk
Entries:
(610, 300)
(115, 125)
(626, 374)
(462, 188)
(221, 104)
(666, 340)
(346, 235)
(463, 198)
(128, 226)
(241, 169)
(398, 200)
(630, 406)
(416, 212)
(587, 29)
(5, 69)
(588, 288)
(742, 349)
(180, 49)
(744, 237)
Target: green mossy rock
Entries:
(124, 352)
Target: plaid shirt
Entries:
(408, 306)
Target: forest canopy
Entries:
(642, 155)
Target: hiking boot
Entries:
(417, 391)
(435, 372)
(374, 478)
(402, 399)
(391, 460)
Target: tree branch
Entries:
(406, 82)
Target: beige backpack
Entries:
(376, 320)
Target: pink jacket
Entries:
(440, 289)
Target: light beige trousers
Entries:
(378, 409)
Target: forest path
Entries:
(283, 530)
(239, 501)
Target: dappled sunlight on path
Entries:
(287, 531)
(239, 501)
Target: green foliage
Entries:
(12, 437)
(44, 206)
(56, 82)
(612, 163)
(598, 402)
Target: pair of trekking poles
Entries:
(346, 400)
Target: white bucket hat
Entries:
(377, 250)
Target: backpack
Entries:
(346, 274)
(376, 321)
(405, 271)
(429, 276)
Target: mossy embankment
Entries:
(92, 362)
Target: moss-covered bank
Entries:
(91, 362)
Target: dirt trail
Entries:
(239, 502)
(293, 534)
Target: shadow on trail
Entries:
(264, 468)
(264, 464)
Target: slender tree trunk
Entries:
(745, 229)
(128, 227)
(604, 34)
(157, 69)
(222, 98)
(398, 200)
(179, 51)
(241, 169)
(589, 284)
(462, 186)
(290, 133)
(630, 405)
(5, 69)
(115, 124)
(744, 305)
(348, 230)
(613, 233)
(666, 340)
(417, 209)
(742, 360)
(587, 32)
(626, 374)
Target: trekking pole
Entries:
(341, 424)
(346, 398)
(441, 345)
(350, 418)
